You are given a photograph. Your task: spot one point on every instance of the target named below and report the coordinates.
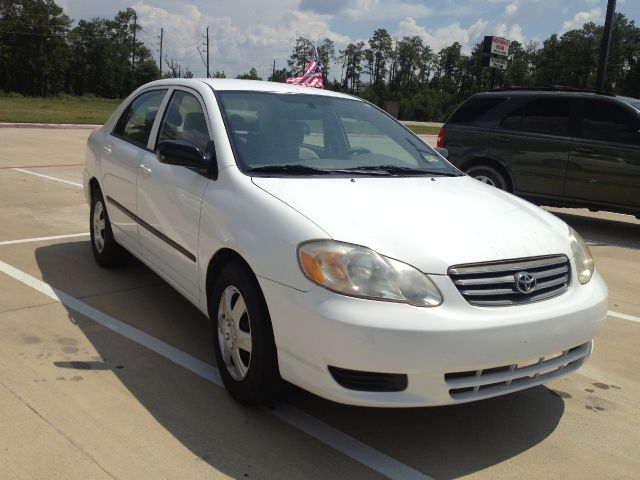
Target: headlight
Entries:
(582, 256)
(361, 272)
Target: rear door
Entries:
(121, 156)
(533, 141)
(604, 165)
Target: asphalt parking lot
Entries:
(111, 373)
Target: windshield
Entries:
(283, 134)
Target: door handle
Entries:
(502, 139)
(145, 169)
(107, 148)
(584, 150)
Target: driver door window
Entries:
(185, 120)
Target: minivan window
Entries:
(135, 123)
(610, 122)
(513, 121)
(543, 115)
(474, 108)
(547, 115)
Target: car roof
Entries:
(559, 91)
(228, 84)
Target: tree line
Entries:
(429, 84)
(41, 54)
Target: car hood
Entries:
(430, 223)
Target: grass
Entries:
(423, 129)
(89, 109)
(63, 109)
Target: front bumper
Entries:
(317, 329)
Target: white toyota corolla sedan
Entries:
(332, 248)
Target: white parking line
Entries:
(348, 445)
(42, 239)
(623, 316)
(22, 170)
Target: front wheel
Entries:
(243, 338)
(489, 175)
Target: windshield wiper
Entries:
(397, 170)
(288, 168)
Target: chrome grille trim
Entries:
(477, 384)
(493, 283)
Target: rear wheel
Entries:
(243, 338)
(107, 252)
(489, 175)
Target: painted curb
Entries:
(48, 125)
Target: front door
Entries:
(170, 196)
(604, 165)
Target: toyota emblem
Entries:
(525, 282)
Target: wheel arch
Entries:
(491, 162)
(220, 259)
(93, 185)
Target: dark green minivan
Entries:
(551, 146)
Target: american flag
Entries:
(312, 76)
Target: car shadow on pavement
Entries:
(604, 231)
(443, 442)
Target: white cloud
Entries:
(580, 18)
(233, 48)
(381, 10)
(367, 10)
(441, 37)
(511, 9)
(512, 32)
(467, 37)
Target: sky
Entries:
(245, 33)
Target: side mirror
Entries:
(185, 154)
(443, 151)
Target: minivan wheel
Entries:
(243, 337)
(488, 175)
(107, 252)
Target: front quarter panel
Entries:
(238, 215)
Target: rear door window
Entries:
(470, 111)
(543, 115)
(547, 115)
(609, 122)
(137, 120)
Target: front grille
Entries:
(494, 283)
(489, 382)
(369, 381)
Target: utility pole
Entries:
(273, 74)
(606, 42)
(208, 74)
(133, 51)
(161, 37)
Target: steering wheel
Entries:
(353, 152)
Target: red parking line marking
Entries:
(44, 166)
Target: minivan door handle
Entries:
(502, 139)
(584, 150)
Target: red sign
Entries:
(500, 46)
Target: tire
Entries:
(107, 252)
(489, 175)
(243, 337)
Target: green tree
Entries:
(381, 48)
(35, 54)
(252, 75)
